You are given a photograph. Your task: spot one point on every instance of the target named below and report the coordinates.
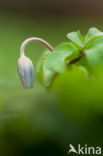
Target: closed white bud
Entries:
(26, 71)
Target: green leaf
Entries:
(95, 43)
(39, 68)
(55, 62)
(92, 35)
(76, 38)
(95, 56)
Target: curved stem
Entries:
(35, 39)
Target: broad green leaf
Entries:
(39, 69)
(76, 38)
(92, 35)
(95, 43)
(95, 56)
(55, 62)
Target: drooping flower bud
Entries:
(25, 66)
(26, 71)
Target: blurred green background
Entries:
(35, 122)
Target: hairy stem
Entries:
(35, 39)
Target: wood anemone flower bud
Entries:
(26, 72)
(25, 66)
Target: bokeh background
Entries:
(34, 122)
